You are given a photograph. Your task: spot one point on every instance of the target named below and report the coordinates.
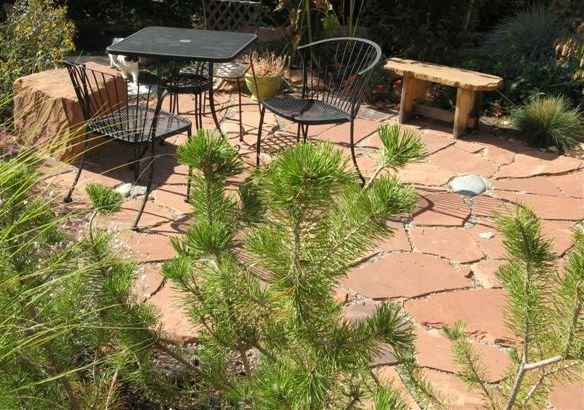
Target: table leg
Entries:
(212, 99)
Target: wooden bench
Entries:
(418, 76)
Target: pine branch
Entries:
(542, 377)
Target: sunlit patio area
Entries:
(440, 262)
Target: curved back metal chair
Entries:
(335, 73)
(227, 15)
(137, 120)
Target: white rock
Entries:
(486, 235)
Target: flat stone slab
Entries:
(400, 275)
(538, 163)
(461, 162)
(486, 272)
(549, 207)
(570, 184)
(435, 351)
(454, 390)
(457, 245)
(398, 241)
(481, 309)
(440, 208)
(541, 185)
(468, 185)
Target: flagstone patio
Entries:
(440, 263)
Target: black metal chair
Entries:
(226, 15)
(136, 118)
(335, 72)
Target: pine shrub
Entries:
(545, 312)
(258, 269)
(549, 121)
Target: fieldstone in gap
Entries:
(469, 185)
(129, 190)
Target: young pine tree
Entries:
(259, 265)
(545, 311)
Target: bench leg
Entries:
(466, 114)
(412, 90)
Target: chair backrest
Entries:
(337, 71)
(100, 93)
(232, 15)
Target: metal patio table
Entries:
(171, 43)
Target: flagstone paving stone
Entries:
(440, 263)
(571, 184)
(541, 185)
(457, 245)
(568, 396)
(481, 309)
(435, 351)
(454, 390)
(461, 162)
(488, 206)
(398, 241)
(549, 207)
(402, 275)
(489, 240)
(535, 162)
(175, 322)
(389, 376)
(425, 173)
(440, 208)
(485, 272)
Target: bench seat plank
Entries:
(454, 77)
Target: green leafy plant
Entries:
(549, 121)
(36, 37)
(545, 311)
(258, 269)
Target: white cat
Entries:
(127, 65)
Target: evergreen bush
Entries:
(258, 271)
(549, 121)
(545, 312)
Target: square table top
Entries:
(184, 44)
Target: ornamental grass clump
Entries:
(550, 121)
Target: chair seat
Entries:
(187, 83)
(230, 70)
(132, 124)
(306, 111)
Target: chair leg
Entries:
(353, 157)
(148, 186)
(67, 198)
(241, 130)
(262, 112)
(298, 133)
(189, 136)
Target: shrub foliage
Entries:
(549, 121)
